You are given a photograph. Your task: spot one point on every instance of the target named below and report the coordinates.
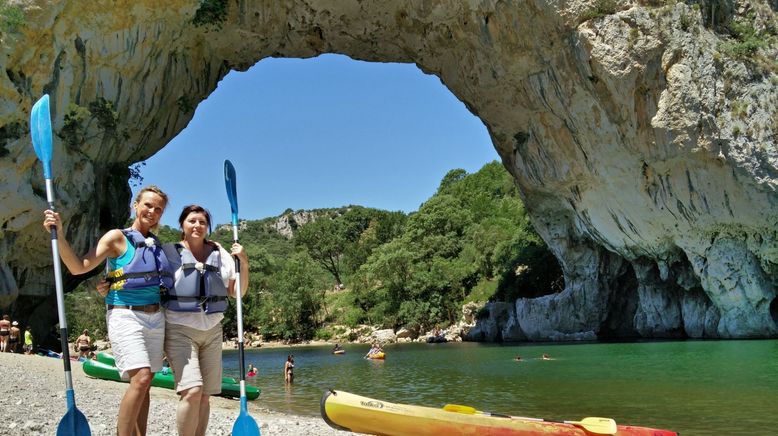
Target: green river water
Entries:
(693, 387)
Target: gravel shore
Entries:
(32, 401)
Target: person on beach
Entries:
(137, 271)
(205, 275)
(14, 337)
(289, 369)
(83, 344)
(28, 341)
(5, 331)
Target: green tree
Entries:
(296, 300)
(11, 17)
(85, 309)
(325, 239)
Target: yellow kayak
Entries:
(380, 355)
(345, 411)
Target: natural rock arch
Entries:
(645, 160)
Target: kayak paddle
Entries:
(74, 422)
(245, 425)
(592, 424)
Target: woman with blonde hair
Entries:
(137, 271)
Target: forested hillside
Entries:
(471, 241)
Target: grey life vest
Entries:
(200, 286)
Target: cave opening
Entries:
(322, 132)
(331, 131)
(774, 310)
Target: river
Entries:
(692, 387)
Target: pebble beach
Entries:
(32, 402)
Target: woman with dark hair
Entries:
(289, 369)
(204, 278)
(137, 272)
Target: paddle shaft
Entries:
(63, 324)
(239, 305)
(245, 425)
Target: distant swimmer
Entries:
(546, 357)
(517, 358)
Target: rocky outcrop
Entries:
(287, 223)
(644, 146)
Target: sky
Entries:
(318, 133)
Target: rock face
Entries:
(645, 152)
(287, 223)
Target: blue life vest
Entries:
(196, 289)
(149, 266)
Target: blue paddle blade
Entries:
(74, 422)
(40, 130)
(245, 424)
(232, 192)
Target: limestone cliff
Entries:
(642, 134)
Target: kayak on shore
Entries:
(97, 369)
(108, 359)
(345, 411)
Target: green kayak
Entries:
(104, 371)
(108, 359)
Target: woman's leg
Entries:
(205, 412)
(143, 416)
(134, 402)
(188, 411)
(137, 339)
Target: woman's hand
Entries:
(103, 287)
(51, 218)
(240, 252)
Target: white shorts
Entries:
(136, 339)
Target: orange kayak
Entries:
(345, 411)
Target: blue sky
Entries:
(323, 132)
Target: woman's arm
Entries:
(240, 253)
(111, 244)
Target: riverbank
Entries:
(32, 401)
(232, 345)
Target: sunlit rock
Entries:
(633, 138)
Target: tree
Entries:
(296, 299)
(325, 241)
